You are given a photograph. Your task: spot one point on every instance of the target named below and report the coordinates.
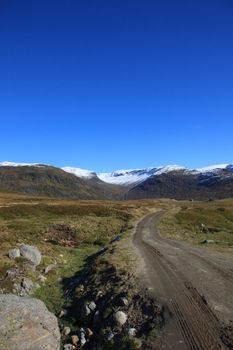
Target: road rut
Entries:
(194, 286)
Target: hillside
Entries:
(49, 181)
(170, 181)
(180, 185)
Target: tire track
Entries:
(191, 316)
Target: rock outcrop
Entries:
(26, 324)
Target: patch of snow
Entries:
(213, 168)
(19, 164)
(80, 172)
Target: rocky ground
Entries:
(105, 308)
(108, 310)
(98, 306)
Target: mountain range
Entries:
(171, 181)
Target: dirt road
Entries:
(195, 287)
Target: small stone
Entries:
(120, 318)
(68, 347)
(92, 305)
(74, 339)
(124, 301)
(42, 278)
(110, 336)
(11, 273)
(31, 253)
(81, 288)
(49, 268)
(96, 318)
(99, 294)
(89, 332)
(66, 330)
(63, 313)
(132, 332)
(28, 285)
(83, 339)
(85, 311)
(82, 331)
(14, 253)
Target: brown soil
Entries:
(194, 286)
(62, 235)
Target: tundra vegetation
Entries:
(82, 261)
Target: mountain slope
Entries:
(170, 181)
(185, 185)
(50, 181)
(135, 176)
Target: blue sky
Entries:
(116, 84)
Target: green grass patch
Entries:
(201, 221)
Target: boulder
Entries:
(14, 253)
(31, 253)
(120, 318)
(26, 324)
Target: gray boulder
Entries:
(14, 253)
(31, 253)
(26, 324)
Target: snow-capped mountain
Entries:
(171, 181)
(135, 176)
(88, 174)
(214, 168)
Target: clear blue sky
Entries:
(116, 83)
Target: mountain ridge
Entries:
(128, 176)
(171, 181)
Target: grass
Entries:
(200, 221)
(25, 219)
